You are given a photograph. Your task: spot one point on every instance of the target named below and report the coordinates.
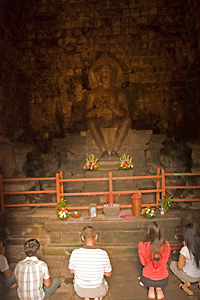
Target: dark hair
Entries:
(31, 247)
(154, 236)
(88, 232)
(192, 241)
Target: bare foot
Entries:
(160, 294)
(151, 294)
(185, 288)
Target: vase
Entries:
(136, 204)
(162, 212)
(111, 211)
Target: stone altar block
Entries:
(109, 135)
(141, 145)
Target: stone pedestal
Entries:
(109, 135)
(135, 145)
(141, 145)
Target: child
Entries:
(154, 254)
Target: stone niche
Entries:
(74, 149)
(135, 145)
(148, 151)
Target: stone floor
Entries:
(124, 283)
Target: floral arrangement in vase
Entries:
(125, 162)
(165, 204)
(62, 210)
(92, 163)
(148, 212)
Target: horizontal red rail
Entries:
(182, 187)
(30, 192)
(32, 204)
(182, 174)
(86, 194)
(136, 177)
(29, 179)
(137, 191)
(84, 179)
(160, 189)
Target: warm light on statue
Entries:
(107, 106)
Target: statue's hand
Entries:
(103, 105)
(112, 107)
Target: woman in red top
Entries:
(154, 255)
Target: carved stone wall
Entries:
(48, 46)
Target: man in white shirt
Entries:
(89, 265)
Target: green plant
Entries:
(92, 163)
(62, 210)
(125, 162)
(166, 202)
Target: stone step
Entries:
(117, 235)
(113, 232)
(28, 215)
(67, 250)
(108, 165)
(27, 230)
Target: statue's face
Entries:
(105, 76)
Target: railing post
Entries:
(111, 196)
(158, 186)
(1, 193)
(163, 183)
(58, 187)
(61, 184)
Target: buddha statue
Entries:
(106, 106)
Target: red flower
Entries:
(63, 209)
(90, 162)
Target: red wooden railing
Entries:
(160, 189)
(171, 188)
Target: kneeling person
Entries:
(7, 277)
(32, 274)
(89, 265)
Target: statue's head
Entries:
(105, 75)
(105, 69)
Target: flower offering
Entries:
(91, 163)
(148, 212)
(125, 162)
(62, 210)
